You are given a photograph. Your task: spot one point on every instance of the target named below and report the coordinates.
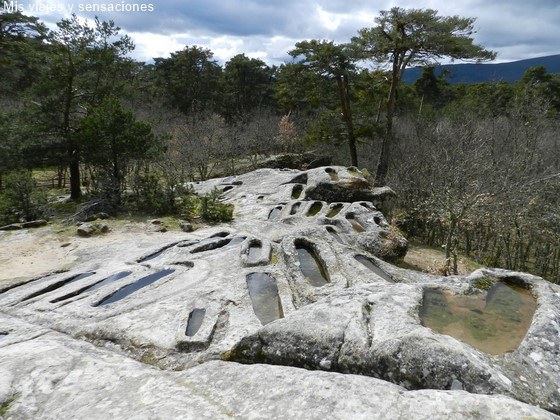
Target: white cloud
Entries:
(268, 29)
(149, 45)
(330, 21)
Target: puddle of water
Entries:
(355, 224)
(311, 266)
(315, 208)
(373, 267)
(495, 322)
(95, 286)
(255, 251)
(265, 298)
(296, 191)
(161, 251)
(334, 210)
(196, 317)
(335, 234)
(219, 235)
(150, 257)
(211, 244)
(237, 240)
(295, 208)
(4, 289)
(274, 213)
(58, 285)
(134, 287)
(332, 173)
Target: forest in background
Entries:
(476, 167)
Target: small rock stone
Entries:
(34, 224)
(86, 230)
(103, 227)
(185, 226)
(14, 226)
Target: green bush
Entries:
(158, 196)
(153, 196)
(20, 200)
(212, 210)
(190, 206)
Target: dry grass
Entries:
(432, 260)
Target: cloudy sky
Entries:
(268, 29)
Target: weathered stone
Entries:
(384, 199)
(48, 374)
(34, 224)
(186, 227)
(387, 244)
(97, 216)
(363, 318)
(86, 230)
(375, 330)
(13, 226)
(103, 227)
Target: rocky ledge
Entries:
(300, 289)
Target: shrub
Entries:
(153, 196)
(212, 210)
(21, 200)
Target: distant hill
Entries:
(476, 73)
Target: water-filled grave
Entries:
(254, 252)
(315, 208)
(196, 317)
(332, 173)
(367, 262)
(335, 209)
(216, 242)
(310, 265)
(134, 287)
(264, 297)
(357, 226)
(296, 191)
(295, 208)
(275, 212)
(495, 321)
(111, 279)
(334, 234)
(58, 285)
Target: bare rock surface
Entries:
(46, 374)
(299, 279)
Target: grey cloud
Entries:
(230, 17)
(509, 26)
